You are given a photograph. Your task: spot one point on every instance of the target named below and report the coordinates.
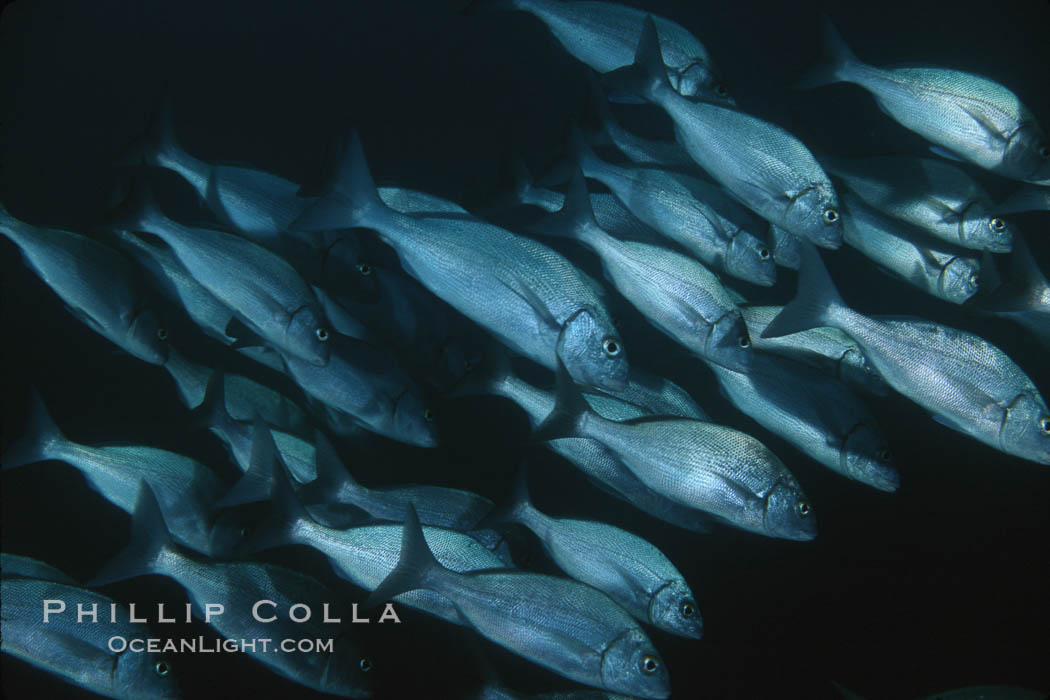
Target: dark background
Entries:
(940, 585)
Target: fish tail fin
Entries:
(256, 483)
(41, 438)
(149, 535)
(414, 566)
(575, 219)
(580, 152)
(487, 376)
(212, 409)
(515, 509)
(285, 511)
(814, 302)
(333, 478)
(647, 75)
(351, 199)
(156, 143)
(569, 410)
(139, 211)
(523, 186)
(837, 57)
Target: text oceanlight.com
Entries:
(203, 645)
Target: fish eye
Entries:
(997, 225)
(763, 253)
(884, 455)
(162, 333)
(365, 664)
(1044, 152)
(650, 663)
(1044, 425)
(721, 91)
(975, 280)
(743, 341)
(688, 608)
(803, 508)
(162, 668)
(831, 215)
(611, 347)
(322, 334)
(364, 268)
(428, 415)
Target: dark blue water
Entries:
(940, 585)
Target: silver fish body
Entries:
(935, 196)
(13, 565)
(527, 295)
(624, 566)
(1025, 299)
(972, 117)
(659, 199)
(966, 382)
(79, 652)
(815, 413)
(828, 349)
(765, 167)
(96, 282)
(603, 35)
(939, 269)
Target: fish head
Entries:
(307, 335)
(814, 214)
(414, 422)
(698, 81)
(1025, 429)
(788, 512)
(729, 344)
(631, 665)
(348, 672)
(750, 259)
(866, 457)
(147, 338)
(855, 370)
(978, 225)
(674, 609)
(147, 675)
(592, 351)
(1027, 155)
(960, 279)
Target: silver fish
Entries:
(828, 349)
(675, 293)
(563, 625)
(186, 488)
(589, 456)
(815, 413)
(967, 383)
(244, 397)
(971, 117)
(521, 291)
(603, 35)
(936, 268)
(97, 284)
(79, 652)
(785, 247)
(624, 566)
(1027, 198)
(695, 463)
(436, 505)
(239, 587)
(1025, 299)
(370, 385)
(765, 167)
(13, 565)
(659, 199)
(257, 284)
(935, 196)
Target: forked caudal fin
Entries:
(256, 483)
(149, 535)
(351, 198)
(569, 410)
(647, 75)
(515, 509)
(40, 439)
(413, 566)
(814, 301)
(157, 141)
(833, 65)
(333, 478)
